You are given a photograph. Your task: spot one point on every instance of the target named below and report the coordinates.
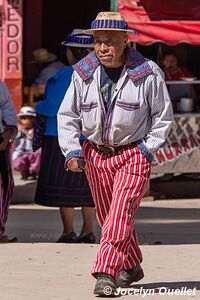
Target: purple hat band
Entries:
(111, 24)
(79, 38)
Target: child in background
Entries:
(24, 159)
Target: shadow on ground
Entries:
(155, 225)
(161, 225)
(24, 193)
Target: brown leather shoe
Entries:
(127, 277)
(105, 285)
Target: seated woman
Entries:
(173, 71)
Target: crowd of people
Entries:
(90, 141)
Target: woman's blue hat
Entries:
(79, 39)
(109, 20)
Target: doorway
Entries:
(61, 17)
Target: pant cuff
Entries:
(126, 266)
(108, 271)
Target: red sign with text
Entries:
(11, 48)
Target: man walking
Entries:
(119, 101)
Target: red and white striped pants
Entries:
(117, 183)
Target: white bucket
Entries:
(186, 105)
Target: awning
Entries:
(170, 22)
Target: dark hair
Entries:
(79, 53)
(170, 52)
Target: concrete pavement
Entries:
(62, 272)
(38, 268)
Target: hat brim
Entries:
(27, 115)
(51, 57)
(92, 31)
(71, 44)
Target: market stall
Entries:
(171, 23)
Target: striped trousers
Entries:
(6, 187)
(117, 183)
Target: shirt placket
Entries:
(109, 114)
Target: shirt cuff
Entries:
(145, 151)
(73, 154)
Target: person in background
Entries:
(47, 65)
(173, 71)
(8, 131)
(24, 159)
(56, 187)
(119, 101)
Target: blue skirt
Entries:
(57, 187)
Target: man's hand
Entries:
(6, 135)
(73, 165)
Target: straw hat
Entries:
(42, 55)
(109, 20)
(79, 39)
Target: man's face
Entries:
(109, 47)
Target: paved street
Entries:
(38, 268)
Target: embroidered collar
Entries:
(86, 66)
(137, 66)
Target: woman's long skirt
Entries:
(56, 186)
(6, 187)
